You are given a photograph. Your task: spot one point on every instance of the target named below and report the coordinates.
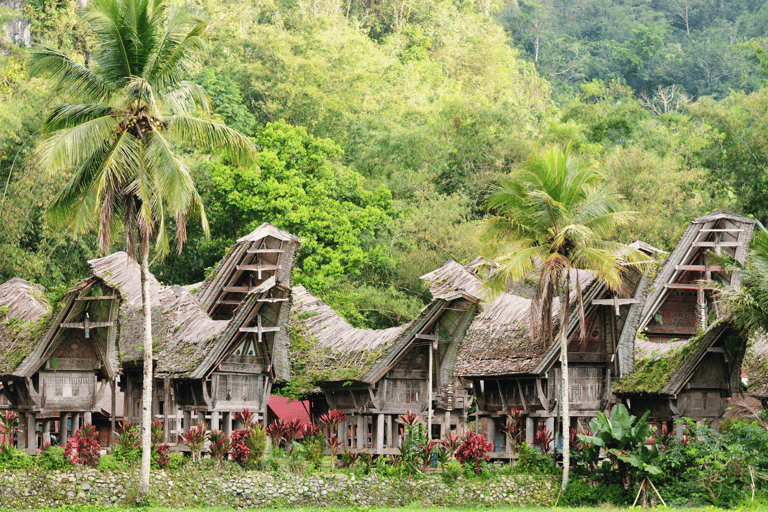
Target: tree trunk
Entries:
(146, 396)
(565, 381)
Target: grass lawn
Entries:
(412, 508)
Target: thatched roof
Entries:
(184, 331)
(21, 307)
(340, 351)
(454, 277)
(498, 342)
(335, 351)
(665, 368)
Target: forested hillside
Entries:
(382, 125)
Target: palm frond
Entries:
(181, 40)
(69, 147)
(69, 116)
(70, 76)
(212, 135)
(182, 99)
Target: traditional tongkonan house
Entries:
(375, 376)
(59, 367)
(210, 367)
(688, 355)
(503, 369)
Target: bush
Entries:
(51, 457)
(110, 462)
(474, 451)
(127, 445)
(257, 444)
(177, 461)
(83, 447)
(12, 458)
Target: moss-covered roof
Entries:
(663, 368)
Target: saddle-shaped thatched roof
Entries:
(22, 310)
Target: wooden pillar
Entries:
(529, 433)
(76, 422)
(549, 426)
(87, 417)
(168, 410)
(31, 433)
(46, 431)
(679, 430)
(227, 417)
(201, 417)
(361, 432)
(214, 420)
(187, 420)
(63, 428)
(343, 434)
(379, 433)
(113, 413)
(492, 433)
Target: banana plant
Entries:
(622, 438)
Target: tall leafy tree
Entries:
(118, 135)
(554, 217)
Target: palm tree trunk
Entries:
(565, 381)
(146, 396)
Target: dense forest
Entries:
(382, 125)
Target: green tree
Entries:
(117, 138)
(553, 217)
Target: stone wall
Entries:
(23, 489)
(17, 29)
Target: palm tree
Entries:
(553, 217)
(117, 137)
(748, 303)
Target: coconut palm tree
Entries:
(117, 138)
(748, 303)
(553, 217)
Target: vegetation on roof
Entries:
(315, 362)
(652, 373)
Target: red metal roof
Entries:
(288, 410)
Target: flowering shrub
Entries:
(474, 450)
(543, 440)
(83, 447)
(219, 445)
(416, 450)
(161, 455)
(195, 438)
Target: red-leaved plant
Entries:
(543, 440)
(219, 446)
(9, 422)
(195, 438)
(513, 428)
(84, 448)
(239, 449)
(474, 450)
(332, 420)
(451, 442)
(277, 432)
(245, 417)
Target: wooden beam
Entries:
(236, 289)
(699, 268)
(260, 329)
(258, 267)
(265, 251)
(722, 230)
(716, 244)
(228, 302)
(688, 286)
(102, 297)
(271, 299)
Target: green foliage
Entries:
(622, 438)
(52, 457)
(178, 461)
(531, 461)
(581, 493)
(110, 462)
(257, 445)
(56, 24)
(12, 458)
